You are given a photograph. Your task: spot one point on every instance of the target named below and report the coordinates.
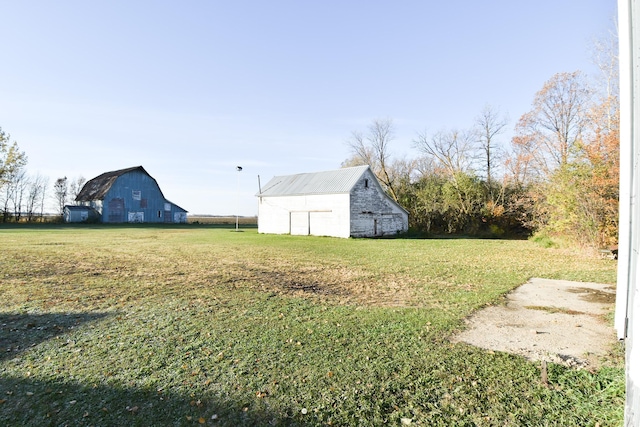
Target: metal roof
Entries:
(177, 207)
(96, 188)
(327, 182)
(77, 208)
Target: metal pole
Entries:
(239, 169)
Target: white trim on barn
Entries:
(347, 202)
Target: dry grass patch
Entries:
(335, 284)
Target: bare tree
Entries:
(43, 196)
(490, 123)
(14, 187)
(361, 154)
(605, 57)
(555, 125)
(6, 198)
(35, 196)
(75, 187)
(19, 183)
(373, 149)
(60, 193)
(424, 166)
(453, 150)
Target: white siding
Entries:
(372, 212)
(318, 215)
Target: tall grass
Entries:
(189, 325)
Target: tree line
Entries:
(23, 197)
(558, 175)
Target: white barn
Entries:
(347, 202)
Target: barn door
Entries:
(299, 223)
(115, 209)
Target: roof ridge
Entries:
(323, 182)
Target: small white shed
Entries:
(79, 213)
(347, 202)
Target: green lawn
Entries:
(196, 325)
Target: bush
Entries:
(543, 240)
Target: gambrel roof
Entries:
(97, 188)
(327, 182)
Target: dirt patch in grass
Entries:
(605, 296)
(552, 320)
(304, 281)
(333, 284)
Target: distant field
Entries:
(222, 220)
(188, 325)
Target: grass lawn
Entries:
(197, 325)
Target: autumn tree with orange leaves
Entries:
(566, 154)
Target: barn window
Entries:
(136, 194)
(159, 214)
(366, 183)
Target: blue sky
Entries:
(191, 89)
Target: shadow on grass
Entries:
(27, 402)
(65, 400)
(19, 332)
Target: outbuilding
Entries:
(348, 202)
(74, 213)
(128, 195)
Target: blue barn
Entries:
(129, 195)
